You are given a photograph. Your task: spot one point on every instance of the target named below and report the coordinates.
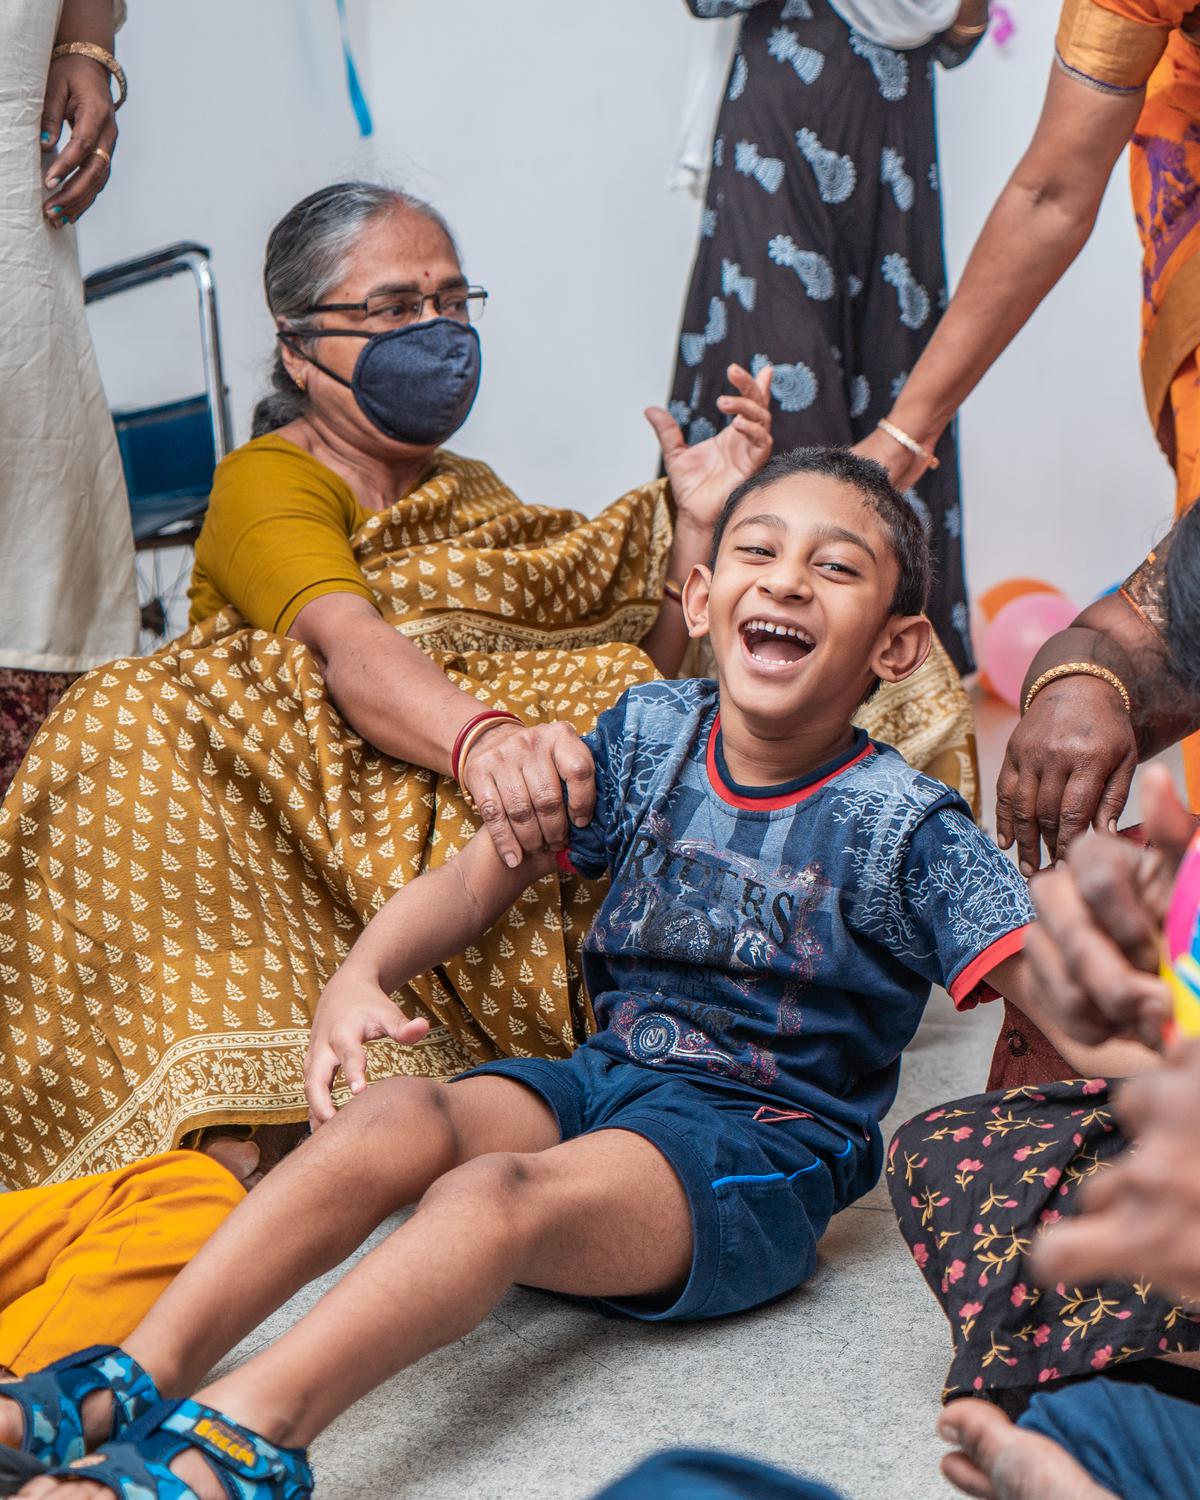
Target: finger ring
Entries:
(103, 155)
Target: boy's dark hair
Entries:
(906, 535)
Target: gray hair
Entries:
(307, 256)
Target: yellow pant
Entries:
(81, 1262)
(1185, 408)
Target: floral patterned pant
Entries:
(25, 700)
(971, 1182)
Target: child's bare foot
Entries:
(97, 1416)
(11, 1422)
(1000, 1461)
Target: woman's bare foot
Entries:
(238, 1157)
(999, 1461)
(250, 1160)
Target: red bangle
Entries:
(460, 737)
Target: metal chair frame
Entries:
(184, 258)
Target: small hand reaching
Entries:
(703, 475)
(351, 1012)
(1093, 953)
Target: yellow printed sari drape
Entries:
(196, 838)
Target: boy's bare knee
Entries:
(395, 1105)
(512, 1188)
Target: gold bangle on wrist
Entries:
(97, 54)
(918, 450)
(967, 33)
(473, 736)
(672, 591)
(1078, 669)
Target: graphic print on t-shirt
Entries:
(728, 922)
(784, 938)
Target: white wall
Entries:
(546, 131)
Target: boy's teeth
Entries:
(773, 629)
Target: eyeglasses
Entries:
(465, 304)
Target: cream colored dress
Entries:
(68, 599)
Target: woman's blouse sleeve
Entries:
(1115, 45)
(277, 535)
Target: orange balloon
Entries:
(993, 600)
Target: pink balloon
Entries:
(1017, 634)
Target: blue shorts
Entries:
(1132, 1440)
(762, 1180)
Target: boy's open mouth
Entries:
(774, 645)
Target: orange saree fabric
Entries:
(82, 1262)
(1123, 47)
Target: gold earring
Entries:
(298, 382)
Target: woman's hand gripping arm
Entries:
(431, 919)
(402, 702)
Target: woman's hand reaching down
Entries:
(353, 1010)
(1068, 767)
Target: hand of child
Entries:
(351, 1011)
(1094, 953)
(1139, 1219)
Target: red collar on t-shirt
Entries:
(767, 798)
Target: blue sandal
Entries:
(51, 1400)
(137, 1467)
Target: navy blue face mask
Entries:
(417, 384)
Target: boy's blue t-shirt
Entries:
(786, 941)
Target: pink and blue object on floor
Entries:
(1180, 963)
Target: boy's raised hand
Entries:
(353, 1010)
(703, 474)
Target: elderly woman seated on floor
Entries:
(387, 645)
(972, 1181)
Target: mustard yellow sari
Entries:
(196, 838)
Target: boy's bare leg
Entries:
(379, 1154)
(601, 1215)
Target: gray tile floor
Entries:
(546, 1401)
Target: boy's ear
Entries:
(695, 600)
(903, 644)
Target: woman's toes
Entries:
(241, 1158)
(12, 1422)
(962, 1473)
(998, 1461)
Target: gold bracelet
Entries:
(672, 591)
(1078, 669)
(97, 54)
(968, 33)
(473, 736)
(915, 448)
